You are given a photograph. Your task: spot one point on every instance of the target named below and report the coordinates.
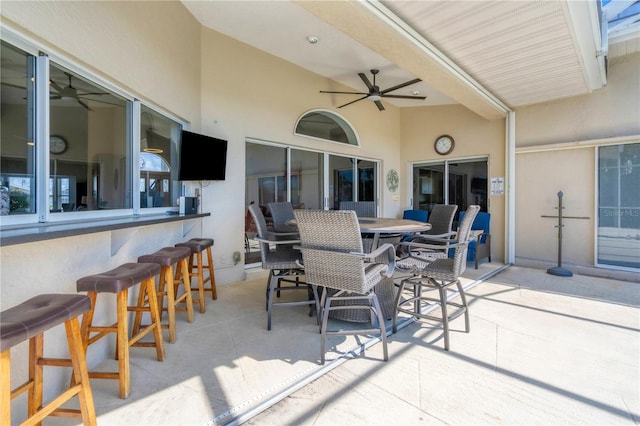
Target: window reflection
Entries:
(92, 172)
(159, 186)
(17, 148)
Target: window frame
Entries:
(44, 57)
(351, 128)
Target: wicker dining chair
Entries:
(439, 275)
(332, 254)
(283, 263)
(282, 213)
(440, 234)
(362, 208)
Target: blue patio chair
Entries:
(418, 215)
(480, 246)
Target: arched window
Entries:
(326, 125)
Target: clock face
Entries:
(57, 145)
(444, 144)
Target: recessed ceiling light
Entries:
(415, 93)
(312, 39)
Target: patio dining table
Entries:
(377, 231)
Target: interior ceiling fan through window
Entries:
(70, 92)
(375, 94)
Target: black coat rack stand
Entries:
(559, 270)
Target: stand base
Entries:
(560, 271)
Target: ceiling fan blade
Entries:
(345, 93)
(56, 86)
(366, 81)
(379, 105)
(93, 93)
(105, 102)
(15, 86)
(349, 103)
(83, 104)
(400, 86)
(403, 97)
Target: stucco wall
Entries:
(474, 137)
(608, 112)
(557, 143)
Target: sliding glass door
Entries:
(307, 179)
(461, 182)
(618, 241)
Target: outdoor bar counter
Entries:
(20, 234)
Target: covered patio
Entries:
(542, 350)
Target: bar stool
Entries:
(166, 258)
(28, 321)
(197, 246)
(118, 281)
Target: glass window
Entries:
(307, 192)
(460, 182)
(17, 125)
(326, 125)
(619, 205)
(89, 145)
(159, 185)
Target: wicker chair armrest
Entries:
(274, 240)
(390, 250)
(439, 238)
(485, 235)
(412, 245)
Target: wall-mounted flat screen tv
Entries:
(202, 157)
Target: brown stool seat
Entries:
(118, 281)
(197, 246)
(39, 314)
(28, 321)
(166, 258)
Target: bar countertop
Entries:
(20, 234)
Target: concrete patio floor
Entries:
(542, 350)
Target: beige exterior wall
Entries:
(557, 147)
(474, 137)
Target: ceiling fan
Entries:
(375, 94)
(70, 92)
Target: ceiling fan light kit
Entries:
(375, 94)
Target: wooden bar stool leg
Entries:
(34, 398)
(80, 373)
(198, 275)
(212, 277)
(150, 287)
(5, 387)
(87, 320)
(182, 277)
(122, 343)
(167, 278)
(137, 318)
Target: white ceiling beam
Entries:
(384, 33)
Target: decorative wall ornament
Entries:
(392, 180)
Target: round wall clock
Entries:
(57, 144)
(444, 144)
(392, 180)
